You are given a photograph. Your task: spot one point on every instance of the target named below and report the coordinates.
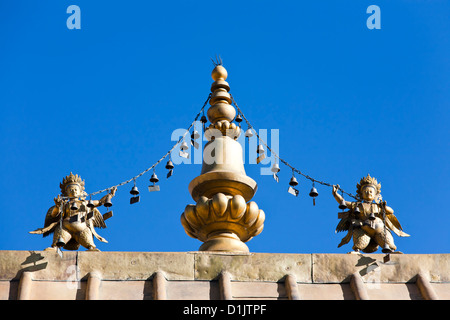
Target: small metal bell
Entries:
(184, 146)
(74, 206)
(275, 168)
(195, 135)
(372, 216)
(134, 191)
(60, 242)
(90, 204)
(249, 133)
(342, 205)
(154, 178)
(108, 202)
(386, 249)
(357, 211)
(293, 182)
(169, 165)
(203, 119)
(238, 118)
(260, 149)
(313, 193)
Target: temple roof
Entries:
(222, 276)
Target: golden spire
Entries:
(222, 218)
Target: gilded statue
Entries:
(73, 219)
(369, 220)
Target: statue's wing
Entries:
(98, 222)
(97, 219)
(393, 224)
(343, 225)
(345, 222)
(49, 224)
(347, 238)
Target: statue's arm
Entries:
(98, 203)
(338, 197)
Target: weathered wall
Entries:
(206, 275)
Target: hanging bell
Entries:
(90, 204)
(60, 242)
(313, 193)
(357, 211)
(238, 118)
(275, 168)
(134, 191)
(386, 249)
(169, 165)
(260, 149)
(154, 178)
(203, 119)
(293, 182)
(184, 146)
(249, 133)
(372, 216)
(342, 205)
(108, 202)
(195, 135)
(74, 206)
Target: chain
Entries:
(161, 159)
(282, 160)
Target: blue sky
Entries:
(104, 100)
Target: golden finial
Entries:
(219, 73)
(222, 218)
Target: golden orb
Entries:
(219, 73)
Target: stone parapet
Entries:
(174, 275)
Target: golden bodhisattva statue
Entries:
(73, 218)
(369, 220)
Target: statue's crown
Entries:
(368, 180)
(71, 179)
